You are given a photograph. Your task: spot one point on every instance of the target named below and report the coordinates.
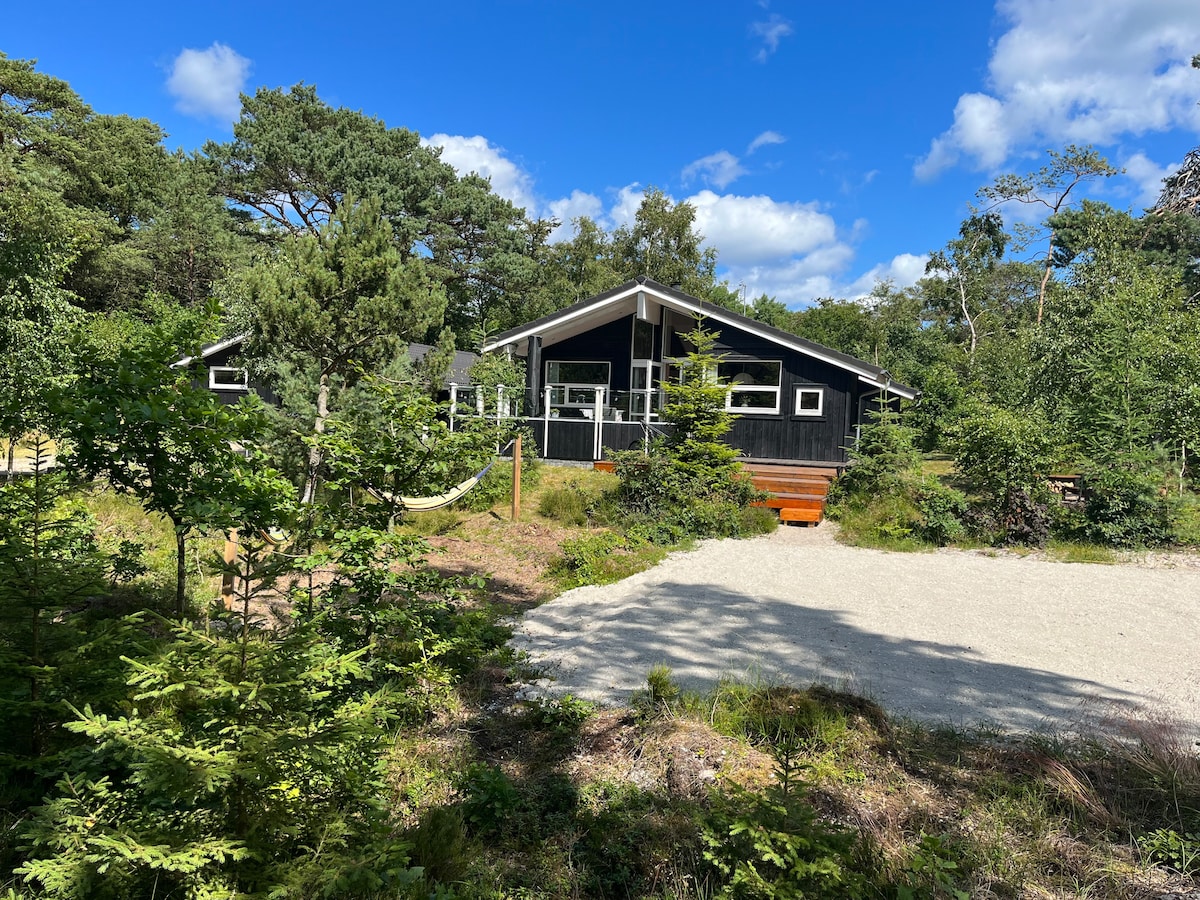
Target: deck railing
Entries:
(575, 430)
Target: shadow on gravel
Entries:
(751, 638)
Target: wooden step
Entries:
(604, 465)
(812, 516)
(794, 485)
(791, 503)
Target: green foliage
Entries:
(246, 765)
(1006, 457)
(1127, 504)
(1167, 847)
(932, 871)
(568, 505)
(583, 558)
(773, 845)
(150, 430)
(691, 481)
(336, 305)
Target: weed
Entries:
(568, 505)
(1078, 552)
(1167, 847)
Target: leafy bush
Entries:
(1167, 847)
(1006, 456)
(583, 557)
(1126, 504)
(942, 511)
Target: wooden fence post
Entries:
(516, 487)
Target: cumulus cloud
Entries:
(208, 83)
(770, 32)
(1075, 71)
(1148, 177)
(753, 230)
(625, 206)
(719, 169)
(767, 137)
(567, 209)
(477, 154)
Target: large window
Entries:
(573, 384)
(753, 384)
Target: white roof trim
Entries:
(676, 303)
(889, 386)
(209, 351)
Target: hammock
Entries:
(425, 504)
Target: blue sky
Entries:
(825, 145)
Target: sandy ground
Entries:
(954, 637)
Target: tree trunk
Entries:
(180, 569)
(1045, 279)
(12, 458)
(314, 452)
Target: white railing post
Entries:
(453, 403)
(499, 413)
(546, 424)
(478, 402)
(597, 450)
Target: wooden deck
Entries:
(798, 489)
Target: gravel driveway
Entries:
(951, 636)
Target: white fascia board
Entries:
(570, 317)
(209, 351)
(891, 387)
(715, 313)
(684, 306)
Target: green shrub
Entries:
(1126, 504)
(757, 520)
(942, 511)
(1167, 847)
(1005, 456)
(1187, 520)
(584, 557)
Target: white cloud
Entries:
(719, 169)
(208, 83)
(903, 271)
(625, 207)
(1148, 177)
(753, 230)
(767, 137)
(477, 154)
(567, 209)
(1076, 71)
(771, 32)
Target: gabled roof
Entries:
(617, 302)
(460, 366)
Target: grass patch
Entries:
(1078, 552)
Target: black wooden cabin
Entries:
(594, 373)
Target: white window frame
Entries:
(214, 385)
(568, 385)
(810, 389)
(775, 389)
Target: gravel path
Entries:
(954, 637)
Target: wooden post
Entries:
(231, 554)
(516, 497)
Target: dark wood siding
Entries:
(611, 342)
(786, 435)
(229, 357)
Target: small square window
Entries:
(228, 378)
(810, 401)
